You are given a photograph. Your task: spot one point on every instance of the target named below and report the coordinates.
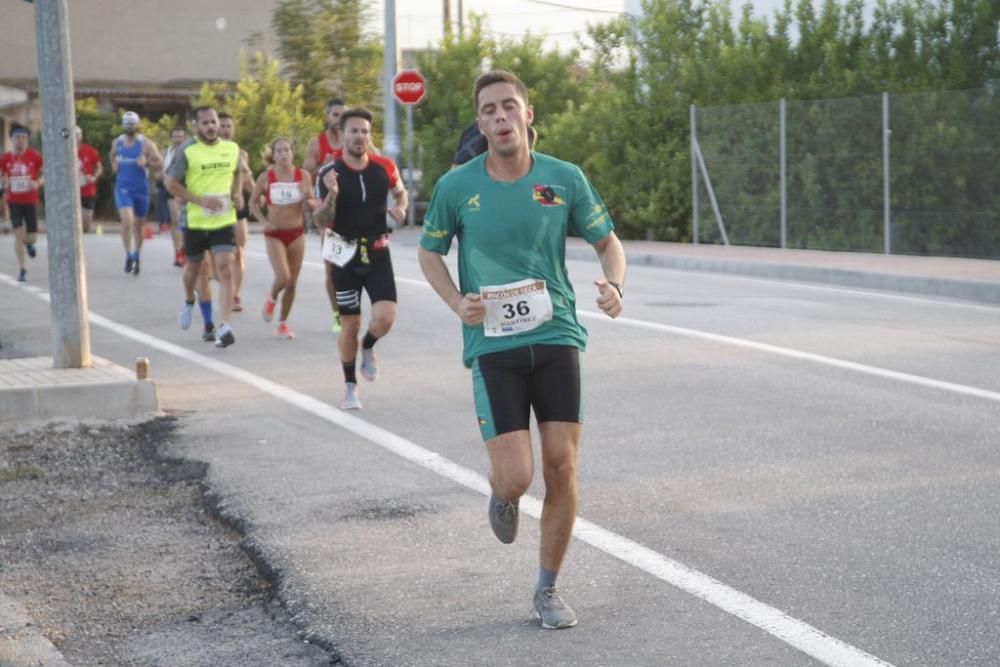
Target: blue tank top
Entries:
(129, 173)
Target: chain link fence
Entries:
(911, 174)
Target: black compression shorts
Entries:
(507, 385)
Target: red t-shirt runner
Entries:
(326, 149)
(87, 159)
(19, 171)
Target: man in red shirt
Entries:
(320, 151)
(88, 164)
(22, 171)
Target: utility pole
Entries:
(461, 19)
(447, 17)
(67, 275)
(390, 130)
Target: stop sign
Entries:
(408, 86)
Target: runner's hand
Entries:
(471, 309)
(608, 298)
(212, 203)
(398, 214)
(330, 181)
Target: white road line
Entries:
(842, 364)
(804, 637)
(884, 373)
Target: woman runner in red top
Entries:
(288, 192)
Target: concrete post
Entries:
(67, 275)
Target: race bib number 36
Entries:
(515, 307)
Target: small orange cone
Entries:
(147, 231)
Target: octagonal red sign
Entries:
(409, 86)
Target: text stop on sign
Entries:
(409, 86)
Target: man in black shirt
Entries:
(354, 192)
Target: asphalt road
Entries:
(771, 473)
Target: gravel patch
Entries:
(114, 554)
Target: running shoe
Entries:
(369, 364)
(268, 312)
(208, 334)
(187, 312)
(135, 267)
(552, 611)
(284, 331)
(128, 264)
(30, 247)
(224, 336)
(503, 519)
(351, 400)
(22, 276)
(237, 304)
(336, 328)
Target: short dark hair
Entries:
(198, 110)
(226, 114)
(498, 76)
(356, 112)
(335, 102)
(17, 128)
(179, 129)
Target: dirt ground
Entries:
(114, 553)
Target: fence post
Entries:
(694, 178)
(784, 177)
(886, 207)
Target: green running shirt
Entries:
(512, 232)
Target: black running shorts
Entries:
(197, 241)
(24, 214)
(376, 278)
(507, 385)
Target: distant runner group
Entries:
(509, 207)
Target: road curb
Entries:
(30, 389)
(984, 292)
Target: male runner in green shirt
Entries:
(511, 210)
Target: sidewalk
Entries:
(31, 388)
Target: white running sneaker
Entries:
(369, 364)
(351, 400)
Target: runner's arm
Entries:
(308, 196)
(469, 307)
(153, 157)
(323, 214)
(612, 255)
(311, 162)
(402, 199)
(258, 190)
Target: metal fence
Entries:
(914, 174)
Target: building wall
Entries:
(151, 41)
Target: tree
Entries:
(553, 81)
(323, 48)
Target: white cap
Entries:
(130, 118)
